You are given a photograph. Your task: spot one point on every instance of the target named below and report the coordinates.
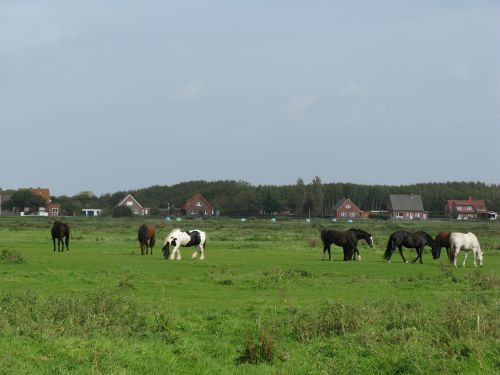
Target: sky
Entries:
(107, 96)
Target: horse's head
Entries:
(436, 251)
(369, 241)
(166, 247)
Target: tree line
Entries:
(237, 198)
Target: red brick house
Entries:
(406, 207)
(198, 205)
(132, 203)
(466, 209)
(50, 209)
(345, 209)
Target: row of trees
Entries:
(233, 198)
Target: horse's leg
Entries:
(401, 253)
(465, 258)
(202, 250)
(325, 248)
(54, 243)
(195, 252)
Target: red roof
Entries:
(475, 203)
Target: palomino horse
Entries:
(465, 241)
(417, 240)
(146, 237)
(348, 240)
(61, 232)
(178, 238)
(442, 240)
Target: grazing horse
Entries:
(417, 240)
(442, 240)
(360, 234)
(146, 237)
(61, 232)
(178, 238)
(348, 240)
(465, 241)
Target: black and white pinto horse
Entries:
(348, 240)
(417, 240)
(178, 238)
(465, 241)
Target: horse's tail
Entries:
(67, 237)
(142, 234)
(389, 250)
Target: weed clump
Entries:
(11, 256)
(257, 350)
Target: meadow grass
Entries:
(261, 302)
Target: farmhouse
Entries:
(132, 203)
(406, 207)
(466, 209)
(345, 209)
(198, 205)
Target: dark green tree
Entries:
(25, 198)
(316, 197)
(300, 196)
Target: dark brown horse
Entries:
(442, 240)
(146, 237)
(348, 240)
(61, 232)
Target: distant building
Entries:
(50, 209)
(406, 207)
(466, 209)
(91, 212)
(346, 209)
(132, 203)
(198, 205)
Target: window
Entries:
(348, 206)
(55, 211)
(199, 204)
(352, 214)
(343, 214)
(130, 203)
(399, 215)
(469, 208)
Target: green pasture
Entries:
(263, 301)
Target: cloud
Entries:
(298, 105)
(189, 91)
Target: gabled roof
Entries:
(126, 198)
(198, 197)
(343, 201)
(404, 202)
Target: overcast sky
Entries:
(117, 95)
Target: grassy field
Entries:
(262, 302)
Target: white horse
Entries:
(467, 242)
(178, 238)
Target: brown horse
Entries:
(442, 240)
(146, 233)
(61, 232)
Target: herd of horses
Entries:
(453, 242)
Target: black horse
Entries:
(348, 240)
(417, 240)
(61, 232)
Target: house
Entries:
(406, 207)
(130, 202)
(91, 212)
(51, 209)
(466, 209)
(345, 209)
(198, 205)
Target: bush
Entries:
(11, 256)
(121, 211)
